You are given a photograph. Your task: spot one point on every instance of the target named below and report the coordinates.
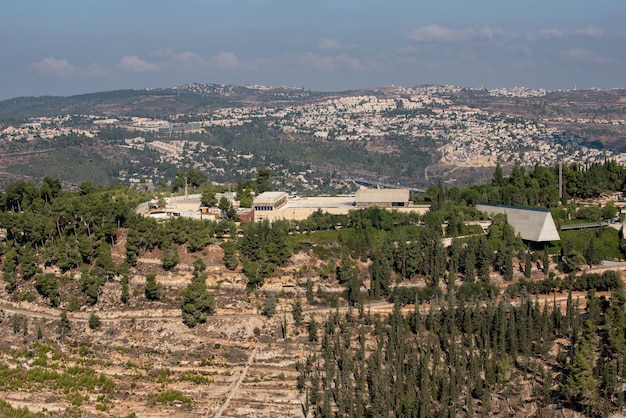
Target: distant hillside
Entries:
(413, 136)
(148, 102)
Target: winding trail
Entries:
(235, 386)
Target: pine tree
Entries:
(152, 288)
(230, 255)
(197, 302)
(94, 321)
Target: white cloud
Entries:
(190, 60)
(350, 62)
(592, 32)
(96, 70)
(327, 43)
(436, 33)
(317, 62)
(224, 61)
(578, 54)
(134, 64)
(546, 34)
(54, 66)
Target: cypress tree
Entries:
(528, 266)
(296, 311)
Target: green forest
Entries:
(465, 341)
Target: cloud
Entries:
(546, 34)
(327, 43)
(190, 60)
(317, 62)
(436, 33)
(579, 54)
(592, 32)
(134, 64)
(54, 66)
(224, 61)
(96, 70)
(326, 63)
(350, 62)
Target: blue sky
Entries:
(70, 47)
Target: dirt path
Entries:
(235, 387)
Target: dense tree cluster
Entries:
(540, 186)
(469, 357)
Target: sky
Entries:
(68, 47)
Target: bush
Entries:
(269, 306)
(170, 396)
(94, 321)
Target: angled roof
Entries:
(533, 224)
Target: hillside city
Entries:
(463, 135)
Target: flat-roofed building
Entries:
(381, 198)
(533, 224)
(269, 201)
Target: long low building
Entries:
(279, 206)
(382, 198)
(533, 224)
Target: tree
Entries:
(223, 204)
(197, 302)
(546, 260)
(245, 198)
(310, 297)
(196, 178)
(269, 306)
(498, 177)
(170, 258)
(528, 265)
(208, 198)
(90, 282)
(50, 188)
(230, 255)
(124, 292)
(64, 325)
(590, 253)
(312, 329)
(296, 311)
(580, 385)
(48, 286)
(94, 321)
(152, 288)
(262, 181)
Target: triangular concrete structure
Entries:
(533, 224)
